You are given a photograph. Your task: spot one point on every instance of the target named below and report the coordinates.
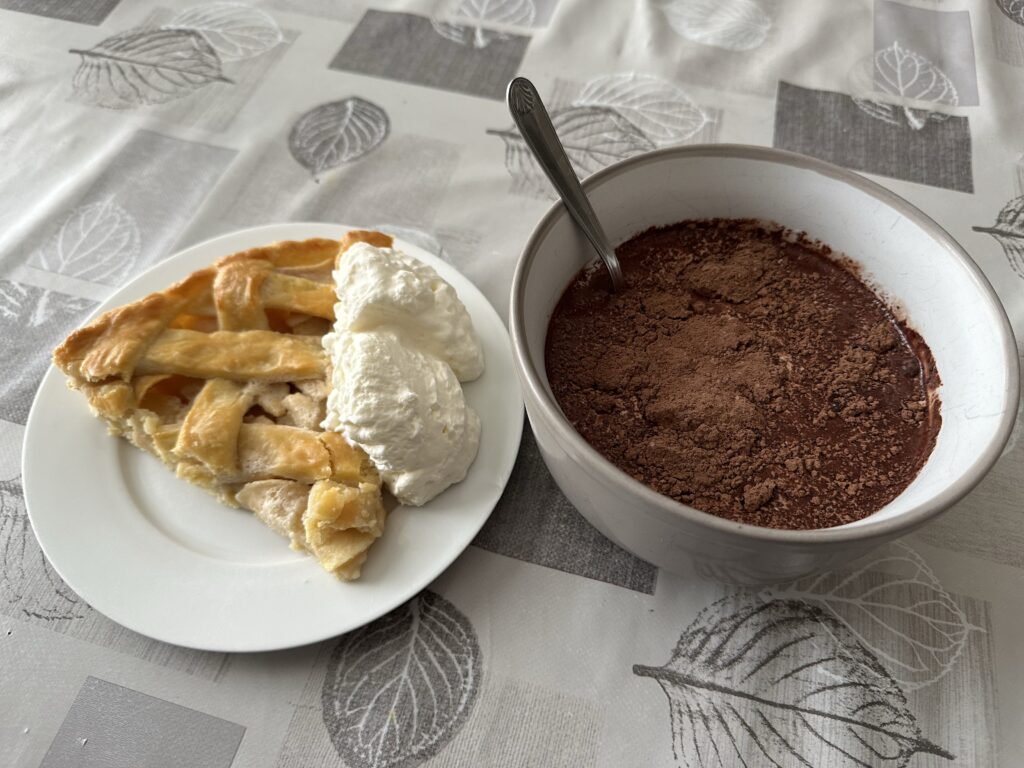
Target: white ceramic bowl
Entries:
(905, 255)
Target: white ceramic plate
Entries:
(165, 559)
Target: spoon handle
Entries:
(534, 124)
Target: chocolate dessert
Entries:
(745, 371)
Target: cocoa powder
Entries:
(747, 373)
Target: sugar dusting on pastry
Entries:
(401, 345)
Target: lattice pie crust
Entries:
(224, 378)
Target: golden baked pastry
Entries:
(224, 378)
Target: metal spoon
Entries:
(534, 124)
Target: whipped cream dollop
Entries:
(401, 345)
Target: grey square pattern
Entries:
(534, 522)
(91, 12)
(466, 58)
(1007, 20)
(32, 322)
(943, 37)
(362, 188)
(832, 127)
(109, 726)
(132, 214)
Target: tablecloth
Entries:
(130, 129)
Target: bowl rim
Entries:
(668, 507)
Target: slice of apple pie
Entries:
(224, 378)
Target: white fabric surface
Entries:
(389, 114)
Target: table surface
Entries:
(131, 129)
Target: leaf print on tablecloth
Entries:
(593, 137)
(912, 86)
(467, 34)
(895, 606)
(1014, 9)
(28, 584)
(337, 132)
(736, 25)
(97, 241)
(511, 12)
(660, 109)
(399, 689)
(782, 683)
(234, 30)
(1009, 233)
(145, 66)
(16, 304)
(519, 13)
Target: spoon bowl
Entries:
(907, 257)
